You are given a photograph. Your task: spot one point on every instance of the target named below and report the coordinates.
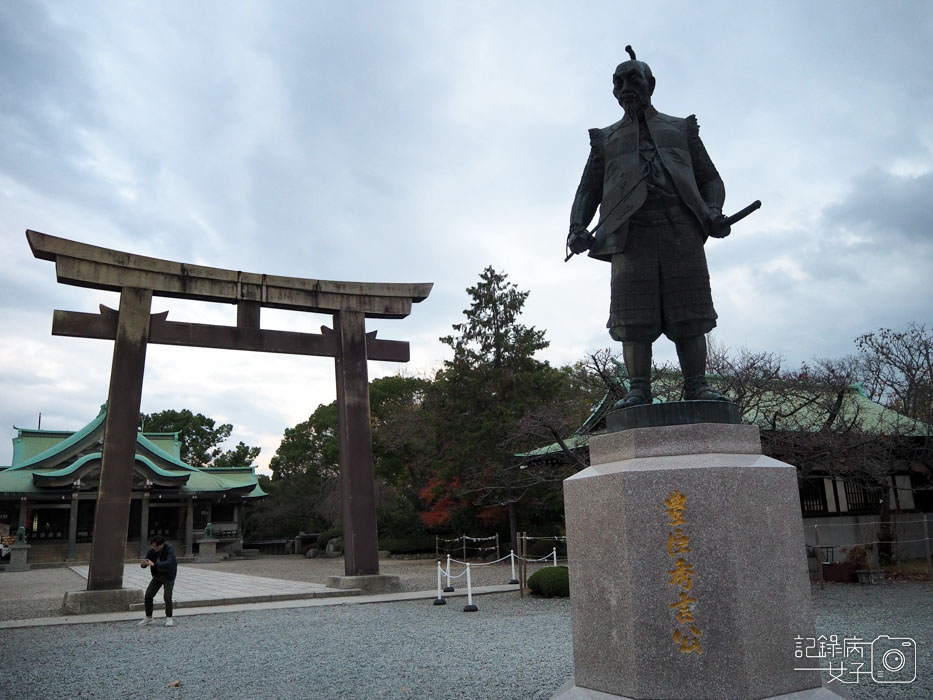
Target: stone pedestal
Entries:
(207, 550)
(688, 571)
(370, 583)
(86, 602)
(19, 555)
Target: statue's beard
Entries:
(633, 104)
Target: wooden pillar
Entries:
(189, 528)
(72, 525)
(144, 523)
(108, 548)
(360, 543)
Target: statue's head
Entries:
(633, 84)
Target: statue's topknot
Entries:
(645, 68)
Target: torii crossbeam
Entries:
(138, 278)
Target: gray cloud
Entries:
(881, 206)
(423, 141)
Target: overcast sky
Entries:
(423, 141)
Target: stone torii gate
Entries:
(138, 278)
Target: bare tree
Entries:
(898, 369)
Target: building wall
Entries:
(843, 531)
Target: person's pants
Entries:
(154, 586)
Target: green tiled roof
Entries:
(53, 466)
(573, 442)
(857, 412)
(74, 443)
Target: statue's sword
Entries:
(734, 219)
(739, 215)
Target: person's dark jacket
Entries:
(164, 563)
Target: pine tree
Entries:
(492, 381)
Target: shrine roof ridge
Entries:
(87, 265)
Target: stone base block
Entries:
(688, 571)
(569, 691)
(373, 583)
(673, 413)
(207, 551)
(115, 600)
(19, 554)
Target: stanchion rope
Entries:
(866, 522)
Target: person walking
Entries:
(164, 567)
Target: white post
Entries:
(440, 599)
(819, 554)
(469, 607)
(512, 560)
(448, 588)
(926, 543)
(555, 556)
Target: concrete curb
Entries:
(239, 600)
(216, 608)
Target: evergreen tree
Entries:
(200, 437)
(492, 381)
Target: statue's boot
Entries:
(637, 356)
(698, 389)
(692, 354)
(639, 393)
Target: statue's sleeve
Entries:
(590, 190)
(709, 183)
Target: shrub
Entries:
(857, 555)
(550, 582)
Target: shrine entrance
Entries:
(138, 278)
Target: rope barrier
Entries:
(864, 522)
(450, 575)
(869, 544)
(481, 563)
(471, 539)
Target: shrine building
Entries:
(51, 490)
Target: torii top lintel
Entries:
(87, 265)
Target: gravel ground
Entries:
(38, 593)
(895, 609)
(512, 648)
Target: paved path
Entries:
(200, 587)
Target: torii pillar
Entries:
(138, 278)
